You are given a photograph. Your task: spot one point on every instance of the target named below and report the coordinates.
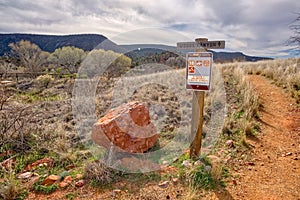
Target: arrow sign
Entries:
(204, 44)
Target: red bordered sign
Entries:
(198, 70)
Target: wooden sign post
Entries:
(198, 77)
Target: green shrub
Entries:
(44, 189)
(199, 178)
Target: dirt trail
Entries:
(275, 170)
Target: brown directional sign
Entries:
(204, 44)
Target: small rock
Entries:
(198, 163)
(25, 175)
(35, 174)
(32, 181)
(207, 168)
(78, 176)
(164, 184)
(289, 154)
(67, 181)
(8, 83)
(296, 158)
(175, 181)
(42, 162)
(165, 162)
(116, 192)
(50, 180)
(70, 167)
(230, 143)
(227, 159)
(63, 184)
(187, 163)
(80, 183)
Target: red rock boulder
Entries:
(127, 127)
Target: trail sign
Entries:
(198, 77)
(198, 70)
(205, 44)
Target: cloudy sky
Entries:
(255, 27)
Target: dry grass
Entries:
(99, 172)
(11, 189)
(284, 73)
(250, 102)
(242, 117)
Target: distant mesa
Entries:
(87, 42)
(150, 49)
(49, 43)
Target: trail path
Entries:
(275, 170)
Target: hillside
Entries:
(88, 42)
(141, 50)
(51, 42)
(239, 56)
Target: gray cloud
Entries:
(254, 27)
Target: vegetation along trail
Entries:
(274, 172)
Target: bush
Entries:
(11, 189)
(44, 80)
(98, 172)
(17, 123)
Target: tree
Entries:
(30, 55)
(109, 62)
(67, 57)
(6, 67)
(295, 39)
